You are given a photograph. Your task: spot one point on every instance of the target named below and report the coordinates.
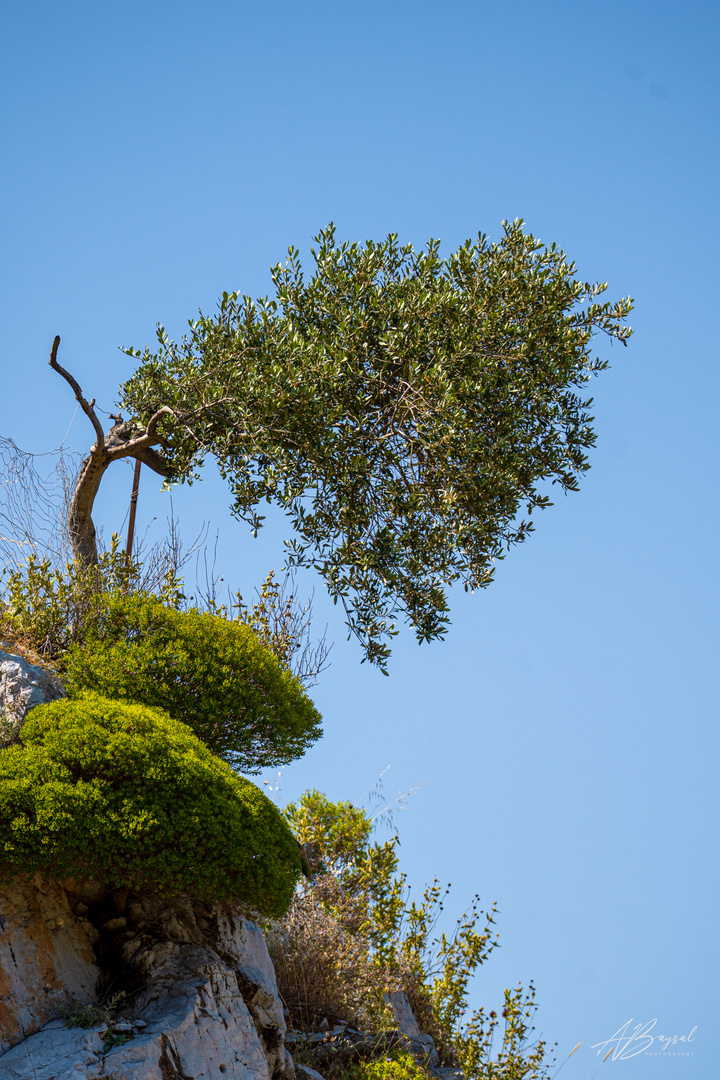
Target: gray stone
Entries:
(420, 1044)
(404, 1016)
(304, 1072)
(423, 1050)
(46, 957)
(22, 686)
(123, 1027)
(284, 1066)
(54, 1053)
(197, 1026)
(242, 945)
(209, 1007)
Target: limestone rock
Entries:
(208, 1007)
(404, 1016)
(196, 1026)
(22, 686)
(243, 945)
(54, 1053)
(46, 957)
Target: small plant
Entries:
(115, 1038)
(394, 1066)
(9, 723)
(80, 1014)
(518, 1057)
(279, 618)
(46, 606)
(83, 1014)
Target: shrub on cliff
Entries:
(352, 933)
(210, 672)
(125, 794)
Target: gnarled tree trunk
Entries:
(123, 439)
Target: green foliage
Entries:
(210, 672)
(46, 606)
(125, 794)
(517, 1058)
(401, 408)
(396, 1066)
(228, 679)
(86, 1015)
(80, 1014)
(360, 886)
(352, 933)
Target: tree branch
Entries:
(87, 407)
(155, 420)
(142, 440)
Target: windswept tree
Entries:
(407, 412)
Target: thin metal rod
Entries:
(133, 508)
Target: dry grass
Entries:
(322, 965)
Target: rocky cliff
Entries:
(99, 983)
(200, 998)
(109, 984)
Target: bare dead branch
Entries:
(86, 406)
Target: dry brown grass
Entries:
(322, 962)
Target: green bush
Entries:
(396, 1066)
(125, 794)
(212, 673)
(352, 933)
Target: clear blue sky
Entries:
(155, 154)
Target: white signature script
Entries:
(627, 1043)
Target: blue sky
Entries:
(156, 154)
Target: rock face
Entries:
(202, 1002)
(198, 1027)
(46, 955)
(208, 1005)
(22, 686)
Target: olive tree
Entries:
(408, 413)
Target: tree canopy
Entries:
(407, 412)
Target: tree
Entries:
(402, 409)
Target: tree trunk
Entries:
(80, 523)
(123, 440)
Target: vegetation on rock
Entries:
(228, 679)
(210, 672)
(127, 795)
(404, 411)
(396, 1066)
(352, 933)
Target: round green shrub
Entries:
(126, 795)
(211, 673)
